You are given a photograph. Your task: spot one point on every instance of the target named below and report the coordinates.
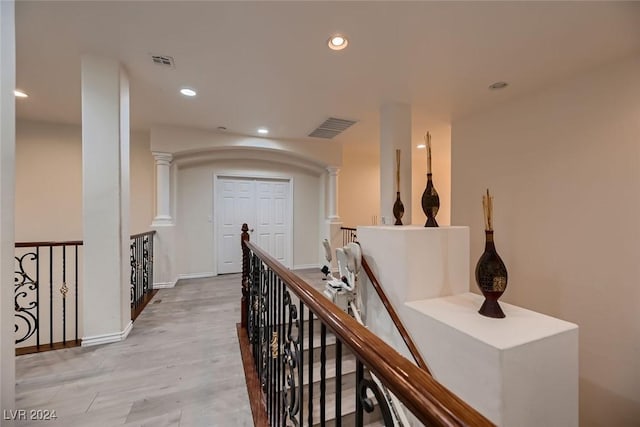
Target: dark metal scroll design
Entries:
(134, 270)
(291, 349)
(26, 301)
(367, 404)
(146, 264)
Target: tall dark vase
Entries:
(398, 209)
(491, 275)
(430, 203)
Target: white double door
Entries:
(265, 205)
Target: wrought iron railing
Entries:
(280, 315)
(348, 235)
(141, 258)
(46, 293)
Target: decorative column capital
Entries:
(162, 158)
(333, 170)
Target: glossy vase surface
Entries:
(398, 209)
(430, 203)
(491, 276)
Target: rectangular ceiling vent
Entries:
(164, 60)
(331, 127)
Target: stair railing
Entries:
(277, 336)
(48, 289)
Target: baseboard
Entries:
(306, 266)
(107, 338)
(164, 285)
(195, 275)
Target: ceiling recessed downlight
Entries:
(263, 131)
(20, 94)
(187, 91)
(337, 42)
(498, 85)
(421, 146)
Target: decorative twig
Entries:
(427, 141)
(398, 170)
(487, 205)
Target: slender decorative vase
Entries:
(430, 198)
(491, 273)
(398, 207)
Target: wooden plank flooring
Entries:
(180, 366)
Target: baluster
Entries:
(278, 363)
(338, 383)
(76, 295)
(272, 313)
(51, 296)
(359, 409)
(38, 297)
(310, 389)
(323, 372)
(63, 291)
(301, 365)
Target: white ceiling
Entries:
(267, 63)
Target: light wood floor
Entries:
(180, 366)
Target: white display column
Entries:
(395, 133)
(7, 200)
(163, 189)
(105, 177)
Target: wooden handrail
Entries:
(71, 242)
(394, 317)
(428, 400)
(32, 244)
(151, 233)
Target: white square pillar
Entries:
(7, 202)
(105, 174)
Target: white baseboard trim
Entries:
(195, 275)
(306, 266)
(107, 338)
(164, 285)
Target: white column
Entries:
(395, 133)
(7, 197)
(163, 189)
(105, 176)
(332, 194)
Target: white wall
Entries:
(564, 167)
(195, 232)
(359, 185)
(49, 182)
(7, 191)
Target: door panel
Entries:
(265, 206)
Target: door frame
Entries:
(234, 174)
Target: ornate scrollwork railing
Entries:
(46, 283)
(278, 303)
(141, 261)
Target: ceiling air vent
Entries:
(165, 60)
(331, 127)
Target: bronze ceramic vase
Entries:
(398, 209)
(398, 206)
(430, 203)
(491, 273)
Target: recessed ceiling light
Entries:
(421, 146)
(187, 92)
(498, 85)
(337, 42)
(20, 94)
(263, 131)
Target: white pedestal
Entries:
(518, 371)
(415, 262)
